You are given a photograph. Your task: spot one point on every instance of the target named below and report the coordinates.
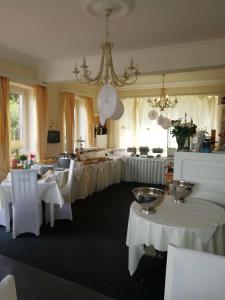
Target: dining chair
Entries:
(194, 275)
(26, 206)
(64, 212)
(8, 288)
(5, 212)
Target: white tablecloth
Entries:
(145, 170)
(49, 192)
(196, 224)
(95, 177)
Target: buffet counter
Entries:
(96, 174)
(145, 170)
(95, 177)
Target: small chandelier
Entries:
(106, 72)
(163, 101)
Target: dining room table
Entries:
(195, 224)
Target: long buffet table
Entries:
(96, 177)
(145, 170)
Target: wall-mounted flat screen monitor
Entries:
(53, 136)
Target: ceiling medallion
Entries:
(97, 7)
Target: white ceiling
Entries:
(34, 32)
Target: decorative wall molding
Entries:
(170, 59)
(176, 84)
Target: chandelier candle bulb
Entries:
(131, 64)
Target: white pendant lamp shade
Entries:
(153, 115)
(160, 120)
(166, 123)
(107, 101)
(102, 120)
(119, 111)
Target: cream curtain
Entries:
(69, 107)
(90, 122)
(42, 126)
(136, 129)
(4, 128)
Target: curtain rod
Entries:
(22, 80)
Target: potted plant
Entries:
(23, 159)
(183, 132)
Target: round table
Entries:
(196, 224)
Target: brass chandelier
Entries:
(163, 101)
(106, 72)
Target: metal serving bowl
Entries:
(149, 198)
(180, 189)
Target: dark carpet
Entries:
(91, 250)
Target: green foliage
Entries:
(182, 131)
(23, 157)
(14, 106)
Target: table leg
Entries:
(51, 214)
(135, 254)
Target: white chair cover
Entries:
(194, 275)
(5, 215)
(64, 212)
(26, 206)
(8, 288)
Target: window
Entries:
(16, 103)
(136, 129)
(80, 118)
(80, 121)
(22, 119)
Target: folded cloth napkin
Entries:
(8, 288)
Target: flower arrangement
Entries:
(32, 156)
(183, 132)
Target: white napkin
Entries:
(8, 288)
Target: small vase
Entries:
(181, 142)
(23, 163)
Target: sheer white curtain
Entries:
(136, 129)
(122, 133)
